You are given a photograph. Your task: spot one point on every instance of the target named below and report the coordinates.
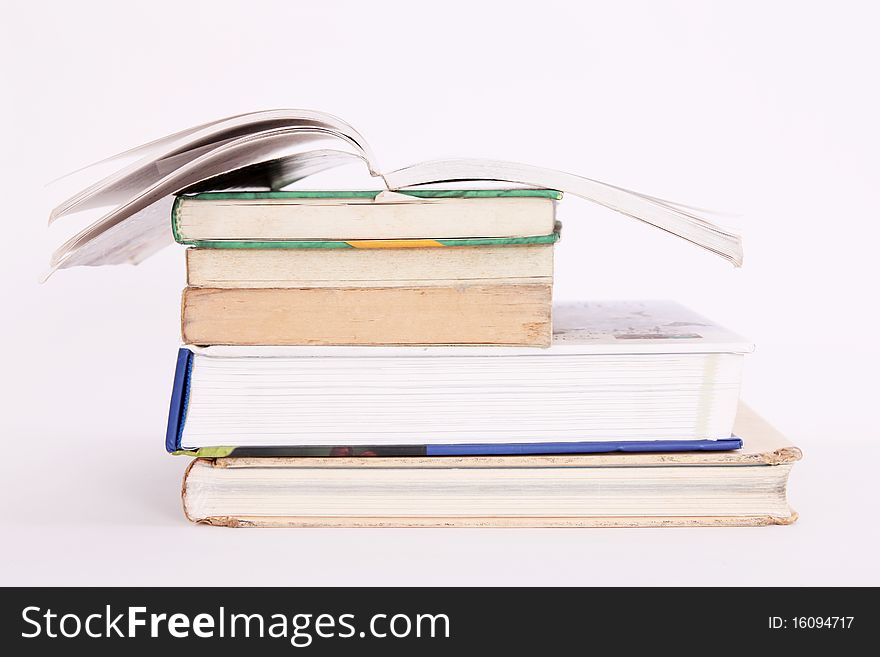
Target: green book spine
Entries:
(373, 244)
(363, 244)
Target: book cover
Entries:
(230, 243)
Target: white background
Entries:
(766, 110)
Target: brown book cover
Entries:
(502, 314)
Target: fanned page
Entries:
(671, 217)
(262, 150)
(162, 156)
(273, 149)
(141, 226)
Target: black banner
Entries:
(434, 621)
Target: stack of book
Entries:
(368, 268)
(325, 328)
(393, 358)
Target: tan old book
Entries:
(746, 487)
(415, 267)
(498, 314)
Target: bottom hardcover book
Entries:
(746, 487)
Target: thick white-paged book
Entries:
(619, 376)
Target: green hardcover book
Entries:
(366, 219)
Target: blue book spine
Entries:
(476, 449)
(595, 447)
(179, 399)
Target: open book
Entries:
(275, 148)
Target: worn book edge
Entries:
(781, 456)
(497, 522)
(535, 333)
(768, 449)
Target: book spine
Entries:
(179, 399)
(175, 214)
